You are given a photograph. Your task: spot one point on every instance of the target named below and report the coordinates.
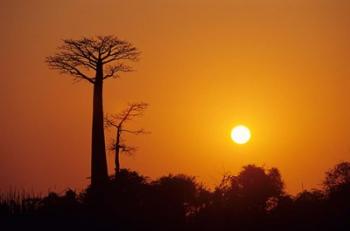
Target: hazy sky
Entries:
(282, 67)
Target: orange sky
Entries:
(279, 66)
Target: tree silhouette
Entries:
(95, 60)
(251, 191)
(254, 199)
(118, 122)
(338, 177)
(337, 188)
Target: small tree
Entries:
(252, 188)
(118, 122)
(338, 178)
(95, 60)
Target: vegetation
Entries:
(254, 199)
(95, 60)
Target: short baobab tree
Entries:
(118, 122)
(95, 60)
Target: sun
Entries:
(240, 134)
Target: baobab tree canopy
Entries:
(80, 58)
(94, 60)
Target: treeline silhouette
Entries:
(254, 199)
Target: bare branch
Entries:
(109, 121)
(112, 71)
(128, 149)
(82, 56)
(80, 48)
(67, 65)
(118, 121)
(133, 110)
(122, 147)
(114, 49)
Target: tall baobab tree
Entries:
(95, 60)
(118, 122)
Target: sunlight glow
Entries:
(240, 134)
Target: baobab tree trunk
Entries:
(99, 174)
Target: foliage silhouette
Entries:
(95, 60)
(254, 199)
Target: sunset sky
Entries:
(281, 67)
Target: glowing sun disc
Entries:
(240, 134)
